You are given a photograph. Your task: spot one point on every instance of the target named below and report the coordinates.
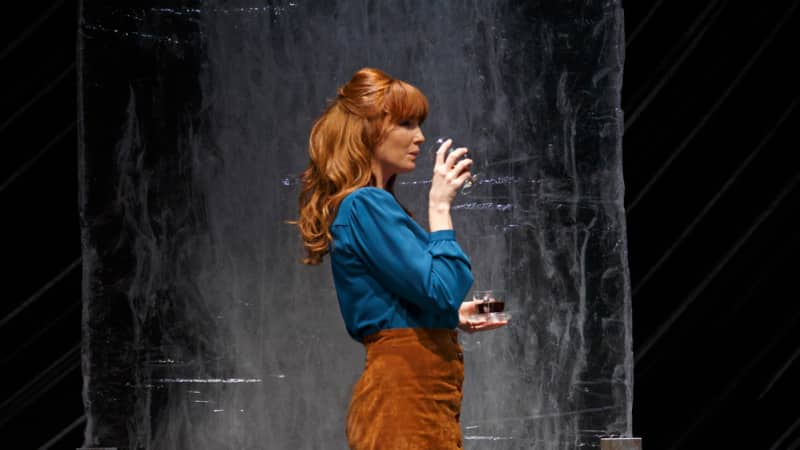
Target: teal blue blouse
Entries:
(391, 273)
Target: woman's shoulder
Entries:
(371, 192)
(368, 195)
(369, 198)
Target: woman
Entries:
(400, 288)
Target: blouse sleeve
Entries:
(433, 275)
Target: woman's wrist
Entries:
(439, 207)
(439, 217)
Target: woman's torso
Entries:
(391, 273)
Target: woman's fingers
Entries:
(461, 166)
(461, 179)
(449, 173)
(474, 327)
(443, 151)
(490, 325)
(458, 173)
(454, 156)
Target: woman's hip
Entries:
(409, 395)
(419, 354)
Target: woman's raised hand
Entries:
(448, 175)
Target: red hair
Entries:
(341, 145)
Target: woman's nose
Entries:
(419, 138)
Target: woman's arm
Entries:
(448, 176)
(434, 274)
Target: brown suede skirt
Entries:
(409, 396)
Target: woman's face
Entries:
(399, 151)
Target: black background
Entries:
(710, 97)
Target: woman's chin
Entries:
(408, 168)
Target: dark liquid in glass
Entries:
(491, 307)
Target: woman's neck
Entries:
(381, 177)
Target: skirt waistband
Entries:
(411, 335)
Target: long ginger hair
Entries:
(341, 145)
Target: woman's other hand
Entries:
(469, 308)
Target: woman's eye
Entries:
(405, 123)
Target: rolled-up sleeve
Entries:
(433, 275)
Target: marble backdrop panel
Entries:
(201, 328)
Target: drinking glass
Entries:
(491, 305)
